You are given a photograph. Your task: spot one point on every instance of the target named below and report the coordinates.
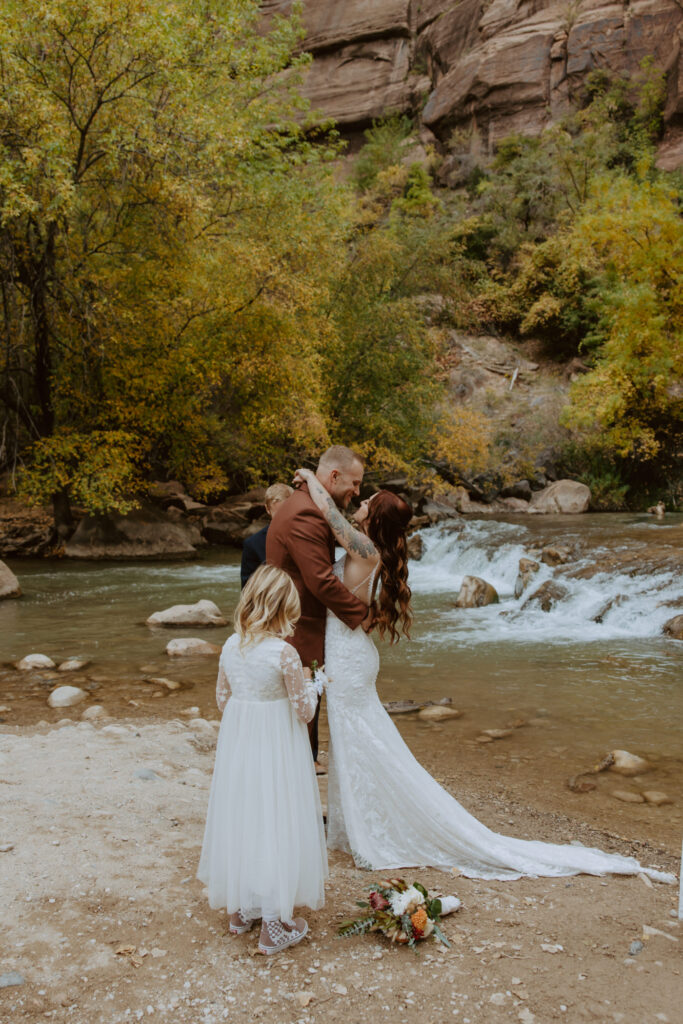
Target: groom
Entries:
(301, 542)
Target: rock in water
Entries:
(674, 627)
(203, 613)
(191, 645)
(438, 713)
(66, 696)
(415, 547)
(527, 568)
(476, 593)
(145, 533)
(9, 584)
(628, 796)
(92, 713)
(556, 555)
(73, 664)
(32, 661)
(170, 684)
(623, 763)
(547, 595)
(654, 796)
(564, 496)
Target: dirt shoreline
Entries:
(105, 921)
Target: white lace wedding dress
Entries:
(388, 812)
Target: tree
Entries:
(167, 234)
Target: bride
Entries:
(384, 808)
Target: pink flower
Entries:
(377, 901)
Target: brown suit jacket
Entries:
(301, 542)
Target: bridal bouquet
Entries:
(319, 678)
(404, 913)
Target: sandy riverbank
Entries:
(105, 921)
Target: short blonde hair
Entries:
(269, 606)
(277, 492)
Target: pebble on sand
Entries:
(656, 797)
(435, 713)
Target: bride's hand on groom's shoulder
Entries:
(301, 476)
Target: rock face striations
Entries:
(485, 67)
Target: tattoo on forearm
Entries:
(347, 535)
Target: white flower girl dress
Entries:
(264, 846)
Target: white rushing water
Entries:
(642, 602)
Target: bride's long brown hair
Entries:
(388, 518)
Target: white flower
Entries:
(319, 681)
(405, 902)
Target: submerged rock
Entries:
(438, 713)
(203, 613)
(568, 497)
(624, 763)
(185, 646)
(9, 584)
(169, 684)
(627, 796)
(476, 593)
(66, 696)
(656, 797)
(402, 707)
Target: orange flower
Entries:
(419, 921)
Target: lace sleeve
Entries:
(302, 691)
(222, 688)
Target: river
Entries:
(581, 687)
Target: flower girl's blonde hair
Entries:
(269, 606)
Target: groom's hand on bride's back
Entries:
(370, 619)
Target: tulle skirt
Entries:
(264, 844)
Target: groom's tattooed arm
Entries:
(352, 540)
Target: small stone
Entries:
(115, 730)
(549, 947)
(497, 734)
(192, 712)
(156, 952)
(6, 847)
(146, 774)
(32, 661)
(170, 684)
(92, 713)
(628, 797)
(635, 948)
(484, 739)
(341, 990)
(73, 664)
(304, 998)
(66, 696)
(556, 555)
(438, 713)
(497, 998)
(11, 978)
(654, 796)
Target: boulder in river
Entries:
(184, 646)
(9, 584)
(146, 533)
(66, 696)
(564, 496)
(32, 661)
(203, 613)
(674, 627)
(556, 555)
(415, 547)
(547, 595)
(476, 593)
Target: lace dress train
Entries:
(388, 812)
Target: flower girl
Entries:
(264, 846)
